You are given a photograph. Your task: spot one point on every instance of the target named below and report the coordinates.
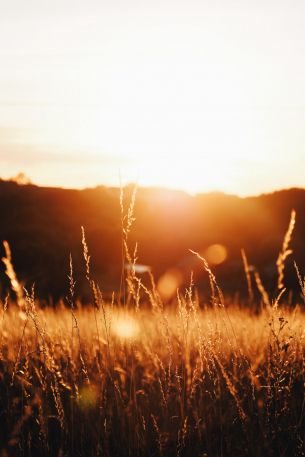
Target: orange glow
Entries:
(88, 397)
(105, 107)
(216, 254)
(169, 283)
(126, 327)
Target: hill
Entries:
(43, 225)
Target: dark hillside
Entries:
(42, 226)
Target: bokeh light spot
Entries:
(169, 283)
(216, 254)
(88, 397)
(126, 327)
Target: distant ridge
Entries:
(42, 225)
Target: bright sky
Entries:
(200, 95)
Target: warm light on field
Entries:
(126, 327)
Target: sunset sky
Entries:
(199, 95)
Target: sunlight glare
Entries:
(126, 327)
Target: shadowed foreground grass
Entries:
(187, 382)
(141, 380)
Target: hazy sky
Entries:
(199, 95)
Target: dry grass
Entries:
(187, 382)
(134, 378)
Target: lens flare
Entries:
(169, 283)
(88, 397)
(216, 254)
(126, 327)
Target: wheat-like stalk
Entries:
(261, 288)
(248, 275)
(285, 251)
(213, 283)
(11, 274)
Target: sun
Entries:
(193, 173)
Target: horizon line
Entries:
(152, 188)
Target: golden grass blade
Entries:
(285, 252)
(11, 274)
(248, 275)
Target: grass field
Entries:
(136, 378)
(188, 383)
